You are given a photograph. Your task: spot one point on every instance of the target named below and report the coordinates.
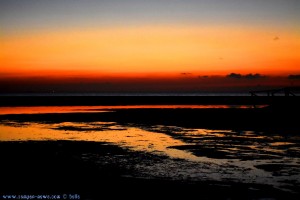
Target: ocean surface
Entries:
(125, 94)
(188, 94)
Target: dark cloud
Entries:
(204, 77)
(254, 76)
(294, 77)
(234, 75)
(247, 76)
(185, 73)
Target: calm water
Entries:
(189, 154)
(205, 94)
(131, 94)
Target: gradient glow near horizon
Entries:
(136, 37)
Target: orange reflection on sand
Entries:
(133, 138)
(44, 109)
(75, 109)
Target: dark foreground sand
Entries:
(66, 167)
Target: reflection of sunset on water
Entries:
(134, 138)
(83, 109)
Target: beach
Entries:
(234, 151)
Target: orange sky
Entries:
(135, 45)
(151, 50)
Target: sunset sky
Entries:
(161, 45)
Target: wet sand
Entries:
(269, 118)
(98, 169)
(94, 170)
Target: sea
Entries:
(210, 94)
(132, 94)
